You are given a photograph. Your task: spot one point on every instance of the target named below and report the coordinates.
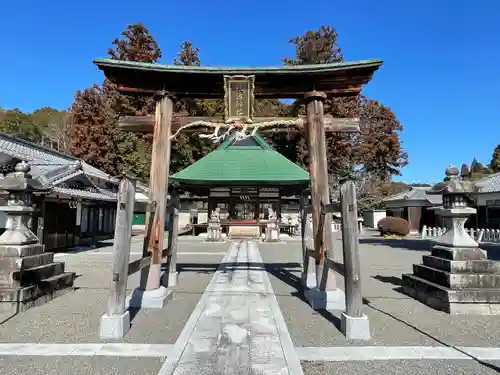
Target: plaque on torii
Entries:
(240, 87)
(239, 99)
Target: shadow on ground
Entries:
(282, 271)
(396, 281)
(405, 243)
(83, 248)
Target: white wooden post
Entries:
(354, 324)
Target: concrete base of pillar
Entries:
(309, 281)
(325, 300)
(149, 299)
(114, 327)
(355, 328)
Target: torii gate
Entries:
(239, 87)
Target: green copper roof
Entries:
(251, 161)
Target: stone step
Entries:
(461, 253)
(45, 286)
(31, 276)
(456, 280)
(17, 263)
(20, 251)
(462, 266)
(459, 301)
(20, 299)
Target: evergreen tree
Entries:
(495, 160)
(476, 166)
(20, 124)
(464, 172)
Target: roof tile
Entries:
(230, 163)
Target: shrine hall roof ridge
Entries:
(285, 69)
(255, 163)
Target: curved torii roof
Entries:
(337, 79)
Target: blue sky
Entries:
(439, 76)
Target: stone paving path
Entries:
(237, 327)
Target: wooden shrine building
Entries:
(244, 178)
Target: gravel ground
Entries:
(75, 317)
(79, 366)
(399, 367)
(395, 318)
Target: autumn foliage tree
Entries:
(376, 153)
(91, 136)
(376, 150)
(119, 151)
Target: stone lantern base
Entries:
(456, 280)
(29, 277)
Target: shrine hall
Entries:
(244, 179)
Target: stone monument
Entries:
(272, 227)
(28, 275)
(457, 277)
(214, 230)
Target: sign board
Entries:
(239, 98)
(244, 191)
(269, 193)
(220, 192)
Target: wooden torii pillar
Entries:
(151, 294)
(326, 295)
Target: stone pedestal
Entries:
(114, 327)
(149, 299)
(272, 231)
(28, 276)
(457, 277)
(325, 299)
(355, 328)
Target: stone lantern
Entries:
(457, 277)
(19, 209)
(456, 209)
(28, 275)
